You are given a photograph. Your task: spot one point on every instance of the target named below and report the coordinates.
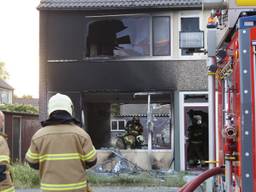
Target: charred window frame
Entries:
(135, 36)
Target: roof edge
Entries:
(76, 8)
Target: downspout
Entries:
(212, 67)
(211, 114)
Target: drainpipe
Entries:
(212, 66)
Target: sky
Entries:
(19, 44)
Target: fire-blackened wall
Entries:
(65, 68)
(98, 122)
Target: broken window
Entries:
(118, 36)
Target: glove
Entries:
(2, 172)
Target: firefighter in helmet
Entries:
(6, 183)
(197, 139)
(61, 150)
(134, 130)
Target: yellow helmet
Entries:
(60, 102)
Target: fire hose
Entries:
(192, 185)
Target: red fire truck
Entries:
(235, 133)
(236, 81)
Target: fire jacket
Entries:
(6, 184)
(61, 152)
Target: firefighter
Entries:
(134, 126)
(61, 150)
(6, 183)
(197, 139)
(134, 130)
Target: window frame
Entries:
(150, 56)
(117, 120)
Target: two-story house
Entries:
(102, 52)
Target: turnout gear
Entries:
(60, 102)
(61, 150)
(6, 184)
(133, 137)
(197, 138)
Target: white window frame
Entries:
(189, 14)
(117, 120)
(182, 105)
(150, 57)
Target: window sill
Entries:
(145, 58)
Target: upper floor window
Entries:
(128, 36)
(189, 24)
(161, 36)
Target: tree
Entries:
(3, 73)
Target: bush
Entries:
(19, 108)
(24, 176)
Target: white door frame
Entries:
(182, 105)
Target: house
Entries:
(6, 92)
(103, 53)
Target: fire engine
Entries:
(232, 76)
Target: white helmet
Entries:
(60, 102)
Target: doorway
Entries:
(193, 117)
(196, 135)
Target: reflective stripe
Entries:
(65, 156)
(12, 189)
(5, 158)
(89, 155)
(34, 156)
(63, 187)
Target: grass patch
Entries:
(25, 177)
(139, 179)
